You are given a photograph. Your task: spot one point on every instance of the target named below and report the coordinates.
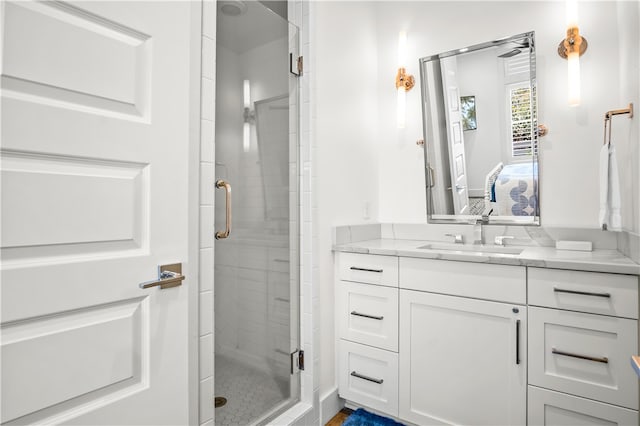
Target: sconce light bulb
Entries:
(401, 107)
(246, 91)
(402, 49)
(572, 13)
(246, 137)
(573, 77)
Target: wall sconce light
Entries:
(571, 48)
(404, 81)
(248, 116)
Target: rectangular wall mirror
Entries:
(481, 133)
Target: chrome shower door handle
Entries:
(221, 183)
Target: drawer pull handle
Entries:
(358, 314)
(584, 293)
(603, 360)
(517, 342)
(355, 268)
(371, 379)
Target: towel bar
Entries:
(609, 115)
(613, 112)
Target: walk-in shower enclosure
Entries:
(256, 284)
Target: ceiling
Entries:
(259, 25)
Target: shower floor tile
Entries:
(251, 393)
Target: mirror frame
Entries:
(466, 219)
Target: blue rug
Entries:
(362, 417)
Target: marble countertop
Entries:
(610, 261)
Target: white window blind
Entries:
(523, 121)
(517, 66)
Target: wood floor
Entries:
(339, 418)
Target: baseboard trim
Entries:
(330, 405)
(478, 193)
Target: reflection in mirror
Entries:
(480, 131)
(272, 133)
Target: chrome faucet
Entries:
(457, 238)
(478, 231)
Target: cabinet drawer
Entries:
(551, 408)
(368, 314)
(368, 376)
(368, 268)
(584, 354)
(501, 283)
(595, 292)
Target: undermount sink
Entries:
(480, 249)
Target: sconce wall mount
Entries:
(573, 43)
(404, 80)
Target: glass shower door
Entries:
(256, 272)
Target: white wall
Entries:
(479, 74)
(627, 132)
(569, 154)
(361, 155)
(345, 141)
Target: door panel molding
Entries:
(59, 55)
(72, 362)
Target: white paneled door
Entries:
(95, 141)
(457, 162)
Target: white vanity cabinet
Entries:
(463, 360)
(367, 317)
(433, 341)
(583, 330)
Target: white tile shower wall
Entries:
(310, 269)
(307, 411)
(253, 319)
(207, 154)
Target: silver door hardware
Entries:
(221, 183)
(356, 268)
(375, 317)
(517, 342)
(432, 177)
(363, 377)
(297, 360)
(583, 293)
(603, 359)
(168, 276)
(296, 66)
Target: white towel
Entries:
(610, 218)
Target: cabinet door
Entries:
(462, 361)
